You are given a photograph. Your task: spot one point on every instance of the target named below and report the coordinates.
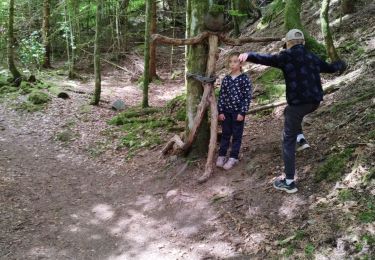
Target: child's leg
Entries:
(292, 125)
(238, 127)
(226, 134)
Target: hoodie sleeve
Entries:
(220, 103)
(247, 92)
(276, 60)
(331, 68)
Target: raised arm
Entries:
(276, 60)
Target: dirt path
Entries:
(60, 204)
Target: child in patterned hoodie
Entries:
(234, 102)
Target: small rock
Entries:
(118, 105)
(171, 193)
(63, 95)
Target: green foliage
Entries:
(38, 97)
(142, 127)
(65, 136)
(271, 81)
(31, 51)
(309, 250)
(348, 104)
(125, 116)
(292, 20)
(367, 214)
(177, 106)
(352, 47)
(272, 10)
(346, 195)
(137, 6)
(333, 167)
(237, 13)
(215, 9)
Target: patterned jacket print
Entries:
(301, 70)
(235, 94)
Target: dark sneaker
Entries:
(280, 184)
(302, 145)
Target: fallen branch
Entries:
(109, 62)
(327, 90)
(202, 36)
(240, 41)
(157, 38)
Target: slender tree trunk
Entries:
(46, 33)
(236, 20)
(324, 20)
(292, 20)
(348, 6)
(17, 77)
(146, 73)
(196, 62)
(72, 46)
(174, 8)
(124, 9)
(97, 69)
(153, 29)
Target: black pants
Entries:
(292, 127)
(231, 128)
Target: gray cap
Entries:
(294, 34)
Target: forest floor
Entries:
(82, 198)
(70, 190)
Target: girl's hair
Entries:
(233, 54)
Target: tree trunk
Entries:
(236, 20)
(292, 20)
(324, 20)
(124, 9)
(46, 33)
(348, 6)
(96, 97)
(153, 29)
(146, 73)
(196, 61)
(17, 77)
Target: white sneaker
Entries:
(230, 163)
(220, 161)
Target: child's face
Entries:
(234, 63)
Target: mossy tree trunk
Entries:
(97, 69)
(324, 20)
(292, 20)
(153, 29)
(146, 71)
(12, 66)
(241, 11)
(196, 61)
(46, 33)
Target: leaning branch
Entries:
(240, 41)
(157, 38)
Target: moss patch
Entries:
(142, 127)
(333, 167)
(272, 81)
(38, 98)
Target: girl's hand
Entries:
(240, 117)
(221, 117)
